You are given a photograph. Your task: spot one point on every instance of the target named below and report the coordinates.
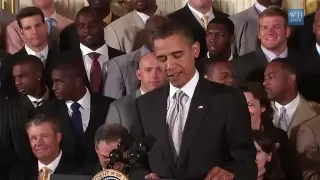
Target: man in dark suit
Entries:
(35, 35)
(68, 37)
(189, 110)
(196, 14)
(250, 67)
(44, 137)
(93, 52)
(219, 38)
(80, 112)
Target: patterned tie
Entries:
(283, 119)
(176, 118)
(40, 56)
(205, 20)
(44, 173)
(52, 30)
(77, 119)
(95, 73)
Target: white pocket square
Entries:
(200, 107)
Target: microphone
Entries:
(116, 155)
(140, 153)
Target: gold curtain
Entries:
(10, 5)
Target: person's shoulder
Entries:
(123, 21)
(241, 15)
(99, 98)
(244, 58)
(178, 13)
(127, 58)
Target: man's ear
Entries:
(138, 74)
(196, 49)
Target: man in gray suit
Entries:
(246, 26)
(121, 79)
(151, 77)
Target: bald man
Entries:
(151, 77)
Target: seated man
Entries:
(45, 136)
(219, 72)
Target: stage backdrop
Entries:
(70, 7)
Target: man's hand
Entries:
(218, 173)
(152, 176)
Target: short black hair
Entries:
(224, 21)
(28, 12)
(110, 133)
(172, 27)
(86, 10)
(34, 61)
(286, 64)
(212, 63)
(71, 65)
(39, 119)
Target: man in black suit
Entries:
(68, 37)
(45, 136)
(93, 51)
(35, 34)
(80, 112)
(273, 34)
(190, 110)
(196, 14)
(219, 38)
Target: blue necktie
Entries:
(52, 30)
(76, 119)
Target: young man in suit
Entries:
(34, 32)
(151, 77)
(219, 71)
(246, 26)
(55, 24)
(197, 14)
(80, 112)
(273, 34)
(45, 136)
(127, 33)
(68, 37)
(219, 38)
(93, 52)
(190, 109)
(122, 79)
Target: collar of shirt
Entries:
(44, 52)
(259, 7)
(145, 17)
(103, 50)
(44, 97)
(108, 19)
(188, 88)
(290, 107)
(230, 58)
(84, 102)
(318, 48)
(53, 165)
(271, 56)
(53, 16)
(142, 92)
(199, 15)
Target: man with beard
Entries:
(246, 26)
(68, 37)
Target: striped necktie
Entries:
(44, 173)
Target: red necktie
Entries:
(95, 72)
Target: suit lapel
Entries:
(26, 103)
(261, 57)
(199, 106)
(68, 138)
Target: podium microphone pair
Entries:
(135, 158)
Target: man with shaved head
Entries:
(121, 79)
(151, 77)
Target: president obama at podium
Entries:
(202, 129)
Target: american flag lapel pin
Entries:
(200, 107)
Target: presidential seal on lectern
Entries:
(110, 174)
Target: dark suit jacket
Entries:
(78, 54)
(69, 39)
(218, 113)
(6, 78)
(65, 166)
(185, 15)
(82, 152)
(251, 66)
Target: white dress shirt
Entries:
(53, 16)
(230, 58)
(271, 56)
(142, 92)
(290, 108)
(259, 7)
(35, 100)
(318, 48)
(52, 166)
(198, 15)
(103, 58)
(188, 89)
(85, 103)
(145, 17)
(44, 53)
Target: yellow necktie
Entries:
(205, 20)
(44, 173)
